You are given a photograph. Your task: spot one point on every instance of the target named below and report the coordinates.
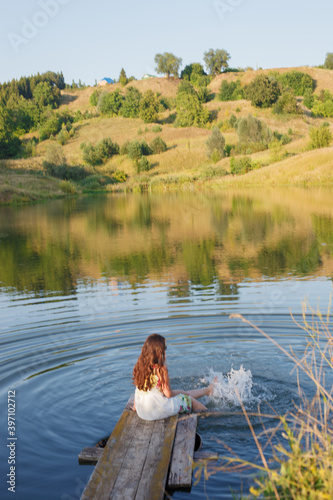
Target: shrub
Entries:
(233, 121)
(96, 155)
(68, 187)
(287, 103)
(298, 81)
(63, 171)
(204, 94)
(263, 91)
(190, 111)
(230, 91)
(143, 165)
(30, 147)
(131, 104)
(308, 100)
(124, 148)
(97, 181)
(215, 145)
(110, 103)
(252, 129)
(240, 165)
(93, 100)
(156, 129)
(52, 125)
(211, 171)
(149, 106)
(323, 108)
(55, 155)
(120, 176)
(329, 60)
(157, 145)
(321, 137)
(134, 150)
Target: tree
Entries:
(329, 60)
(168, 64)
(263, 91)
(251, 129)
(216, 144)
(131, 104)
(9, 143)
(149, 105)
(215, 60)
(110, 103)
(190, 111)
(45, 94)
(123, 78)
(230, 91)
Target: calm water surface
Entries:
(84, 281)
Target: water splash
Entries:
(236, 386)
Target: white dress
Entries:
(153, 405)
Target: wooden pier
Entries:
(142, 459)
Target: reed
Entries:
(302, 464)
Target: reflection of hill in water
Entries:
(185, 239)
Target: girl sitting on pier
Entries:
(154, 398)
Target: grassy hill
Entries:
(185, 160)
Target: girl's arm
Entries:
(168, 392)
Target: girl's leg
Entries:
(197, 406)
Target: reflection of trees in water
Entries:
(28, 270)
(135, 238)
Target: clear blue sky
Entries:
(91, 39)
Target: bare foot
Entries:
(212, 385)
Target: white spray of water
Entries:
(236, 386)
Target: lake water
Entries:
(84, 281)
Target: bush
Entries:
(241, 166)
(120, 176)
(110, 103)
(124, 148)
(157, 145)
(321, 137)
(68, 187)
(97, 181)
(215, 145)
(93, 100)
(149, 106)
(323, 108)
(190, 111)
(30, 147)
(53, 125)
(263, 91)
(134, 151)
(156, 129)
(308, 100)
(287, 103)
(211, 171)
(96, 155)
(230, 91)
(298, 81)
(251, 129)
(143, 165)
(233, 121)
(131, 104)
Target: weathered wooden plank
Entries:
(205, 455)
(106, 471)
(180, 475)
(154, 475)
(90, 456)
(130, 473)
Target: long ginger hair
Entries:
(151, 361)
